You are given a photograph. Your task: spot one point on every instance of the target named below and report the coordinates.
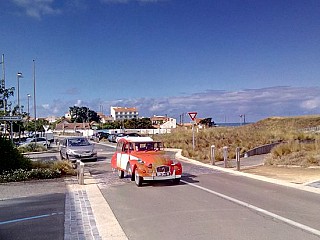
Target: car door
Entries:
(119, 153)
(124, 155)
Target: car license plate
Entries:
(163, 173)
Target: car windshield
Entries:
(78, 142)
(148, 146)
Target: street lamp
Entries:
(19, 75)
(34, 100)
(28, 116)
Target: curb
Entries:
(256, 177)
(107, 224)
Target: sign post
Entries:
(11, 119)
(193, 117)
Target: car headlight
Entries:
(70, 152)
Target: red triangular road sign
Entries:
(192, 115)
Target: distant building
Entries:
(122, 113)
(51, 119)
(67, 115)
(104, 118)
(163, 122)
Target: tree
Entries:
(39, 124)
(83, 114)
(207, 122)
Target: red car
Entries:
(144, 159)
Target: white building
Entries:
(122, 113)
(163, 122)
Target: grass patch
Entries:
(270, 130)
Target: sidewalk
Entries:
(87, 213)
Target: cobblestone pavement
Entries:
(79, 222)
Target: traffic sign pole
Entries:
(193, 117)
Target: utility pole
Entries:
(3, 85)
(34, 100)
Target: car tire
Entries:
(138, 180)
(120, 173)
(176, 181)
(131, 173)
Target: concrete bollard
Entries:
(80, 172)
(225, 156)
(238, 158)
(213, 160)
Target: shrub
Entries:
(23, 175)
(11, 158)
(65, 167)
(32, 147)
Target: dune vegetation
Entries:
(299, 141)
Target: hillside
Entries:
(246, 137)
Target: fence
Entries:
(261, 149)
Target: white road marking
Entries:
(257, 209)
(30, 218)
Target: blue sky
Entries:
(218, 58)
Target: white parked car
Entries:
(38, 140)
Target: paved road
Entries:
(32, 210)
(209, 204)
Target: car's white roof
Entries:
(137, 139)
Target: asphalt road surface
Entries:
(208, 204)
(32, 210)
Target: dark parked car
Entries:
(99, 136)
(102, 135)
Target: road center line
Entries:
(257, 209)
(30, 218)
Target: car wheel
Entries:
(120, 173)
(131, 173)
(176, 181)
(138, 180)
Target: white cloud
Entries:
(311, 103)
(256, 104)
(37, 8)
(78, 103)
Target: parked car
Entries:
(99, 136)
(77, 148)
(38, 140)
(144, 159)
(102, 135)
(122, 135)
(112, 137)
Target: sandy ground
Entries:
(290, 174)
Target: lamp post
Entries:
(28, 116)
(19, 75)
(34, 100)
